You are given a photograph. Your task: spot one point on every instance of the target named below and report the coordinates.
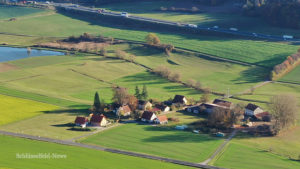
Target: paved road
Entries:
(220, 148)
(212, 29)
(70, 143)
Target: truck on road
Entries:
(287, 36)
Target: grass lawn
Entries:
(158, 141)
(292, 77)
(240, 156)
(7, 12)
(77, 157)
(251, 51)
(54, 124)
(15, 109)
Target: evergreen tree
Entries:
(144, 93)
(137, 93)
(97, 104)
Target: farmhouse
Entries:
(144, 105)
(123, 110)
(179, 99)
(81, 121)
(162, 108)
(223, 103)
(161, 120)
(252, 109)
(208, 108)
(98, 120)
(148, 116)
(264, 116)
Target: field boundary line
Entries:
(116, 151)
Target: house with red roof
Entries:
(123, 110)
(81, 121)
(161, 119)
(98, 120)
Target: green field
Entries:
(292, 77)
(210, 16)
(251, 51)
(158, 141)
(57, 125)
(76, 157)
(14, 109)
(7, 12)
(237, 156)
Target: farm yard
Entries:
(42, 96)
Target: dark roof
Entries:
(194, 108)
(97, 118)
(161, 107)
(178, 99)
(222, 103)
(143, 102)
(81, 120)
(147, 115)
(251, 106)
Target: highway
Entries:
(213, 29)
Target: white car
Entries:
(216, 27)
(47, 2)
(192, 26)
(254, 34)
(125, 14)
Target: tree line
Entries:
(286, 66)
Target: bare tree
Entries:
(284, 111)
(120, 95)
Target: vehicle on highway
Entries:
(233, 29)
(254, 34)
(101, 10)
(47, 2)
(216, 27)
(288, 36)
(192, 26)
(125, 14)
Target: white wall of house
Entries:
(103, 122)
(166, 109)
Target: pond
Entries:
(11, 53)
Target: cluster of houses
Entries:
(96, 120)
(251, 110)
(150, 113)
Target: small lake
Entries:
(11, 53)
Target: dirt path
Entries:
(220, 148)
(94, 147)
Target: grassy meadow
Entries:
(238, 156)
(7, 12)
(77, 157)
(158, 141)
(292, 77)
(250, 51)
(14, 109)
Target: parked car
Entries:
(233, 29)
(220, 134)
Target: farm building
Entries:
(81, 121)
(252, 109)
(161, 119)
(98, 120)
(148, 116)
(144, 105)
(208, 108)
(123, 110)
(264, 116)
(179, 99)
(162, 108)
(223, 103)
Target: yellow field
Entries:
(14, 109)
